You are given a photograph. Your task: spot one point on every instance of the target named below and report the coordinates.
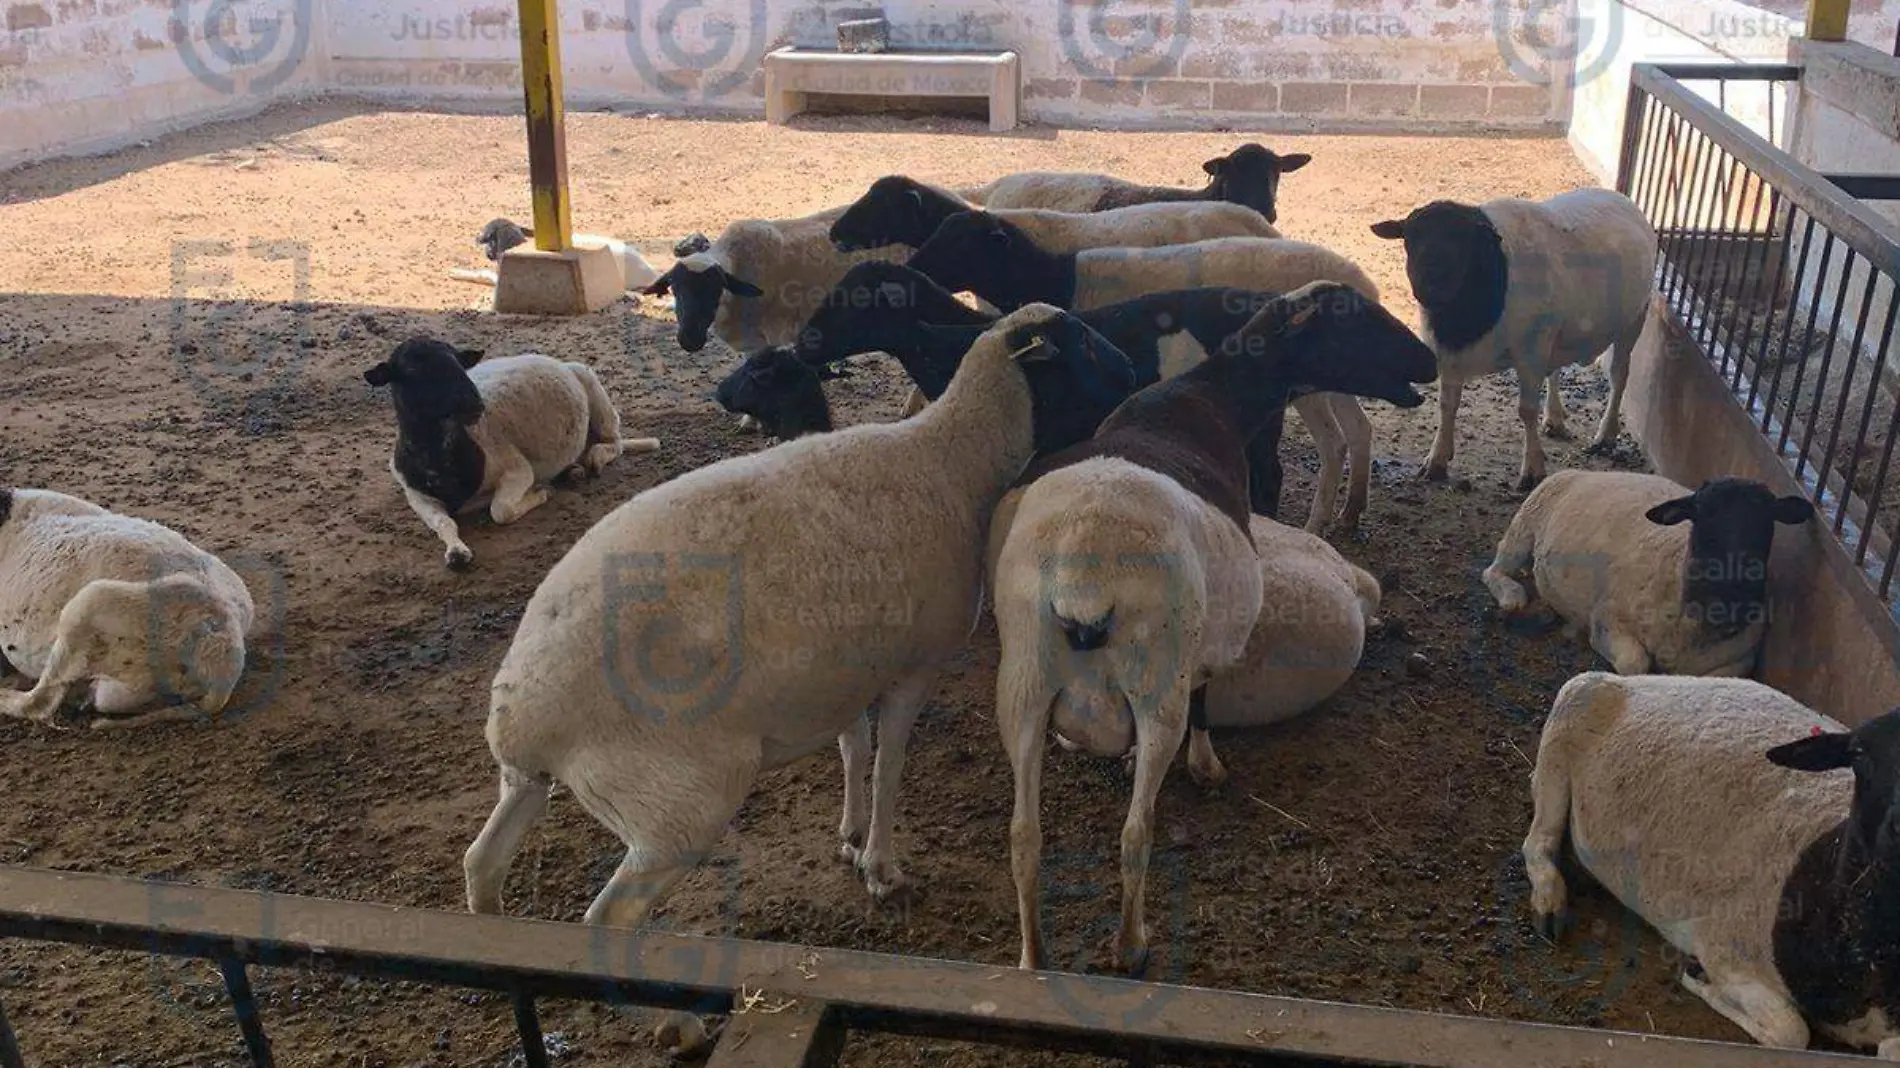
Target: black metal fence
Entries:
(792, 1006)
(1785, 281)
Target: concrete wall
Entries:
(1831, 644)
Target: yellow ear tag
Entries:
(1300, 317)
(1031, 347)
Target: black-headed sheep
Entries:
(1248, 176)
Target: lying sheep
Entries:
(472, 433)
(636, 273)
(1608, 553)
(1531, 287)
(112, 614)
(1696, 803)
(780, 392)
(903, 211)
(1123, 575)
(743, 615)
(758, 282)
(978, 252)
(1248, 176)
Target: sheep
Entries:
(773, 615)
(998, 262)
(1248, 176)
(1696, 803)
(1608, 553)
(636, 273)
(780, 392)
(1123, 575)
(472, 433)
(1531, 286)
(903, 211)
(110, 614)
(753, 286)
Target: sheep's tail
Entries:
(1085, 629)
(1366, 588)
(603, 421)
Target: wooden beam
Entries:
(1827, 20)
(547, 134)
(779, 1032)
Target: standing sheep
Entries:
(897, 210)
(1123, 575)
(1248, 176)
(1705, 806)
(473, 432)
(1609, 554)
(111, 614)
(743, 615)
(977, 252)
(1532, 287)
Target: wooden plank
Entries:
(779, 1032)
(994, 1004)
(547, 125)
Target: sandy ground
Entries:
(1365, 853)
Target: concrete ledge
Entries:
(1832, 644)
(1857, 79)
(791, 74)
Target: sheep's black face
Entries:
(499, 236)
(697, 287)
(1454, 259)
(429, 380)
(891, 213)
(1731, 529)
(1250, 176)
(968, 248)
(1328, 338)
(1076, 377)
(778, 389)
(1872, 751)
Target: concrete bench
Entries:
(793, 73)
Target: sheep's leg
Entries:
(515, 493)
(1515, 551)
(1265, 474)
(854, 746)
(524, 798)
(1022, 715)
(1550, 801)
(1612, 423)
(1622, 649)
(1532, 470)
(1317, 413)
(1451, 390)
(1157, 739)
(1748, 1003)
(914, 402)
(436, 518)
(1358, 433)
(1203, 766)
(79, 655)
(897, 711)
(1556, 423)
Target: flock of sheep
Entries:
(1091, 449)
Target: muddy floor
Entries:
(183, 328)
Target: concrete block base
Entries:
(793, 74)
(576, 282)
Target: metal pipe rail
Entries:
(812, 997)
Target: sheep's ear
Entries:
(999, 237)
(380, 375)
(895, 293)
(918, 196)
(1793, 511)
(1390, 229)
(742, 287)
(1294, 162)
(1214, 165)
(1818, 752)
(469, 357)
(1669, 513)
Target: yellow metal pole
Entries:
(547, 136)
(1827, 20)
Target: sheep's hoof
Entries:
(1528, 481)
(885, 882)
(851, 850)
(682, 1035)
(1600, 448)
(1557, 431)
(1133, 960)
(459, 558)
(1436, 472)
(1211, 777)
(1553, 925)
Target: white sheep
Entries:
(1609, 554)
(636, 273)
(474, 433)
(1696, 803)
(110, 614)
(1529, 286)
(1248, 176)
(979, 253)
(743, 615)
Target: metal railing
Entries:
(1785, 282)
(792, 1006)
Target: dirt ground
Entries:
(1365, 853)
